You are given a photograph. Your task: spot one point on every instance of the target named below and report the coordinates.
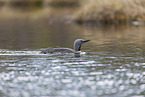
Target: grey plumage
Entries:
(77, 48)
(58, 50)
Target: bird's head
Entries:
(78, 43)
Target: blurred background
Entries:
(47, 23)
(36, 23)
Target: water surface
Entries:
(113, 66)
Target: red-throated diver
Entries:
(77, 48)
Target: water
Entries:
(113, 65)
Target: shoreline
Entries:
(80, 12)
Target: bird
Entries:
(77, 48)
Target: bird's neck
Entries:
(77, 48)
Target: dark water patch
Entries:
(25, 3)
(64, 4)
(2, 4)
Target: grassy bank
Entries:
(111, 11)
(96, 11)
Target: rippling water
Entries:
(113, 66)
(102, 74)
(28, 73)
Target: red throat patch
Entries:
(80, 48)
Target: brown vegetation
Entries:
(111, 11)
(102, 11)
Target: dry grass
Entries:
(103, 11)
(111, 11)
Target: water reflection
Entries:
(77, 55)
(64, 75)
(39, 34)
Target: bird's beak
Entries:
(86, 40)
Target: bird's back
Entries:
(58, 50)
